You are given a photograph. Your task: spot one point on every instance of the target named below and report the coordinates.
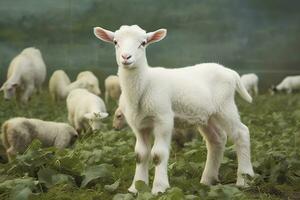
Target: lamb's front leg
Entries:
(142, 150)
(160, 154)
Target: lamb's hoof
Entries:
(157, 188)
(132, 189)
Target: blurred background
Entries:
(249, 36)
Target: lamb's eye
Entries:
(143, 43)
(115, 42)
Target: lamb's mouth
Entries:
(127, 64)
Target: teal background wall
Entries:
(248, 36)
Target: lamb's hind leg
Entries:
(215, 144)
(142, 150)
(242, 145)
(239, 133)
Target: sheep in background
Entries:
(250, 82)
(200, 95)
(19, 132)
(26, 73)
(58, 85)
(119, 121)
(112, 88)
(90, 81)
(85, 110)
(288, 84)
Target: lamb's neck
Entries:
(133, 82)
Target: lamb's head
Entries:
(130, 43)
(95, 119)
(9, 90)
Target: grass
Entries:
(101, 165)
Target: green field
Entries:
(101, 164)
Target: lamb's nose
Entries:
(126, 56)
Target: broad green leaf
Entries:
(95, 172)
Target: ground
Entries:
(101, 164)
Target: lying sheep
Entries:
(92, 83)
(26, 73)
(200, 95)
(250, 81)
(58, 85)
(112, 88)
(85, 110)
(18, 133)
(288, 84)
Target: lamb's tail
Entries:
(240, 88)
(4, 135)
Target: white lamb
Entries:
(90, 80)
(112, 88)
(19, 132)
(26, 73)
(200, 95)
(85, 110)
(288, 84)
(58, 85)
(250, 81)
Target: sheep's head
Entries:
(95, 119)
(9, 90)
(119, 120)
(130, 43)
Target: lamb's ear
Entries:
(156, 36)
(88, 116)
(103, 115)
(103, 34)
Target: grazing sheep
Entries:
(200, 95)
(288, 84)
(58, 85)
(26, 73)
(112, 88)
(250, 81)
(85, 110)
(92, 83)
(19, 132)
(119, 120)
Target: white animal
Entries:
(18, 133)
(58, 85)
(250, 81)
(26, 73)
(85, 110)
(90, 80)
(289, 84)
(119, 120)
(200, 95)
(112, 88)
